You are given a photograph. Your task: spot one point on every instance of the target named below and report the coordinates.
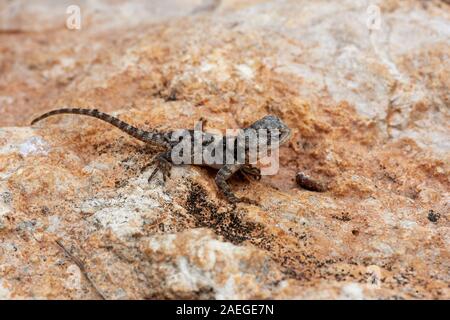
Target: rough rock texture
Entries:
(370, 113)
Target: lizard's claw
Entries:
(163, 165)
(233, 200)
(248, 201)
(252, 171)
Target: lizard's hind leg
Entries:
(163, 164)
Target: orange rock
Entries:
(369, 114)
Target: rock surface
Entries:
(369, 107)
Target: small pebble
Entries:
(433, 216)
(308, 183)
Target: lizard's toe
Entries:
(163, 165)
(252, 171)
(233, 201)
(152, 175)
(248, 201)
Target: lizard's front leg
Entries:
(163, 163)
(221, 180)
(252, 171)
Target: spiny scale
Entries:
(142, 135)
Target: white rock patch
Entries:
(352, 291)
(32, 146)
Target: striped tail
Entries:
(145, 136)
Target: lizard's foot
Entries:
(163, 165)
(233, 200)
(252, 171)
(248, 201)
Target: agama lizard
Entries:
(163, 160)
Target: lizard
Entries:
(164, 140)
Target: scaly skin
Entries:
(164, 139)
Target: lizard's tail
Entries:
(145, 136)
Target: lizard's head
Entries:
(273, 124)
